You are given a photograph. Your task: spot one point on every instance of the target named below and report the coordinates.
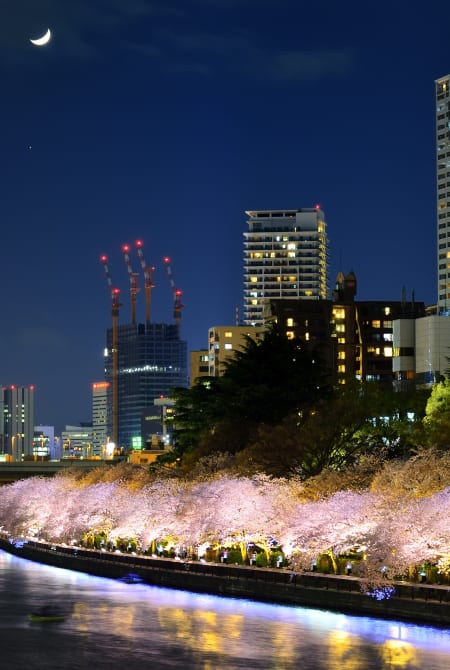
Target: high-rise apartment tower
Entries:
(443, 192)
(285, 256)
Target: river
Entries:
(116, 625)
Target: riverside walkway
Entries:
(423, 603)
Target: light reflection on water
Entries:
(114, 625)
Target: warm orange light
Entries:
(100, 385)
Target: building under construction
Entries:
(143, 360)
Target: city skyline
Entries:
(166, 122)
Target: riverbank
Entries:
(421, 603)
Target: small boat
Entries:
(47, 613)
(131, 578)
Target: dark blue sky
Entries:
(165, 120)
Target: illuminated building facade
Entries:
(285, 256)
(17, 411)
(443, 192)
(152, 359)
(99, 418)
(199, 365)
(77, 441)
(224, 341)
(354, 339)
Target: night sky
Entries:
(164, 120)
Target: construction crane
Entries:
(116, 305)
(177, 294)
(148, 279)
(134, 288)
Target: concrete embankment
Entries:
(411, 602)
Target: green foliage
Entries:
(234, 556)
(355, 421)
(261, 560)
(437, 416)
(264, 382)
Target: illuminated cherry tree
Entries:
(394, 530)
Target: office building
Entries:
(17, 425)
(77, 441)
(285, 256)
(99, 418)
(46, 444)
(443, 192)
(151, 360)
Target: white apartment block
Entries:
(285, 256)
(443, 192)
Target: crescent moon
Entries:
(40, 41)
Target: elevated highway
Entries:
(11, 472)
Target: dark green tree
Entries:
(266, 381)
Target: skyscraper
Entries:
(99, 417)
(285, 256)
(152, 359)
(17, 405)
(443, 192)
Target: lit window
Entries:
(290, 334)
(376, 323)
(289, 322)
(341, 355)
(253, 280)
(307, 337)
(340, 328)
(291, 246)
(388, 352)
(341, 368)
(339, 313)
(341, 340)
(387, 311)
(228, 345)
(228, 333)
(387, 337)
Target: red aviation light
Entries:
(31, 387)
(100, 385)
(166, 259)
(125, 248)
(116, 291)
(178, 292)
(103, 258)
(139, 243)
(317, 207)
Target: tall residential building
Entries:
(152, 359)
(99, 418)
(443, 192)
(17, 424)
(353, 339)
(285, 256)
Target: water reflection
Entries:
(111, 623)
